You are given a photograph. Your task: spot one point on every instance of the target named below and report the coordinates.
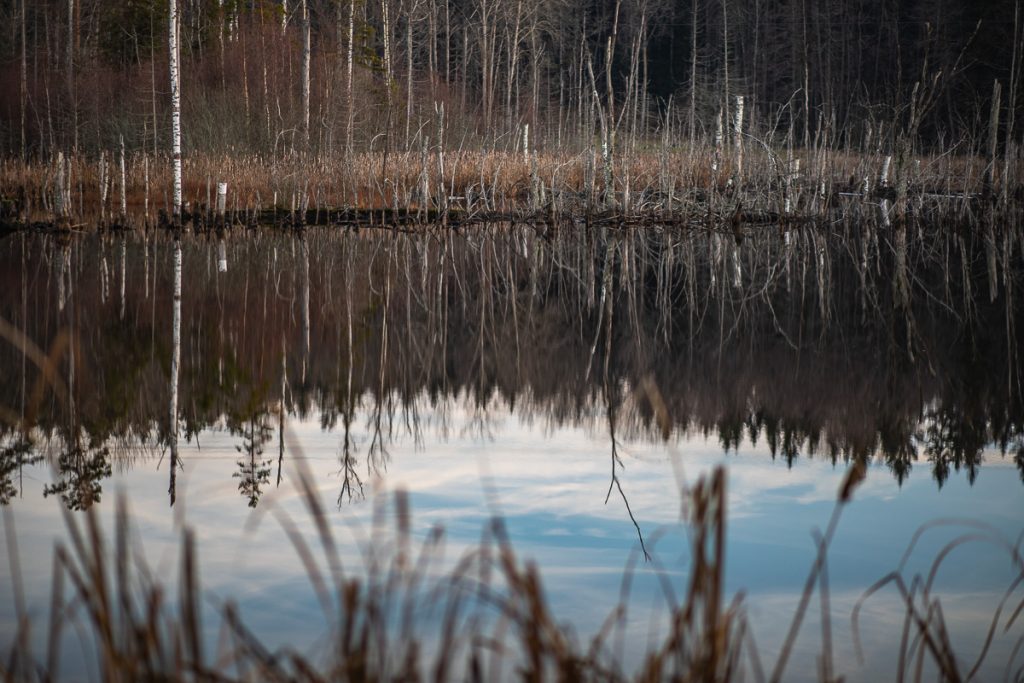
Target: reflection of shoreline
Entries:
(424, 418)
(803, 352)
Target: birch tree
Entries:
(175, 106)
(348, 76)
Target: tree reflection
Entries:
(952, 440)
(78, 475)
(253, 470)
(839, 345)
(14, 458)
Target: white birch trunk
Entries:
(883, 176)
(222, 201)
(442, 192)
(719, 135)
(175, 107)
(104, 180)
(738, 137)
(58, 194)
(389, 76)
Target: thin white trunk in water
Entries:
(175, 106)
(124, 191)
(124, 276)
(305, 309)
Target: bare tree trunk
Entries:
(1015, 66)
(738, 138)
(432, 48)
(993, 145)
(59, 206)
(486, 60)
(266, 87)
(807, 77)
(385, 6)
(693, 75)
(220, 42)
(408, 72)
(306, 57)
(608, 58)
(152, 90)
(513, 62)
(535, 56)
(175, 106)
(348, 83)
(72, 100)
(24, 80)
(245, 80)
(725, 56)
(447, 42)
(612, 124)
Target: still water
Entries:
(572, 383)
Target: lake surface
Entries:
(573, 383)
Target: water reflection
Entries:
(848, 345)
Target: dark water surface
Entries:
(573, 382)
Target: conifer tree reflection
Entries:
(14, 457)
(253, 469)
(79, 473)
